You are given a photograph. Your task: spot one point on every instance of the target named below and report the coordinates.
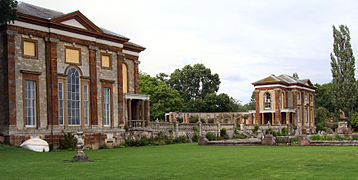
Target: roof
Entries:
(284, 79)
(49, 14)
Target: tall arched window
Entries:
(267, 100)
(125, 78)
(73, 97)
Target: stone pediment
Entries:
(78, 20)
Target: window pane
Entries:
(73, 97)
(30, 102)
(106, 106)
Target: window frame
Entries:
(23, 48)
(107, 84)
(110, 60)
(267, 100)
(80, 98)
(84, 105)
(79, 52)
(29, 76)
(63, 103)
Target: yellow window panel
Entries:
(72, 56)
(106, 62)
(125, 78)
(29, 48)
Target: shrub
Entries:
(69, 141)
(256, 128)
(284, 131)
(223, 132)
(211, 136)
(194, 119)
(195, 137)
(196, 129)
(240, 136)
(181, 139)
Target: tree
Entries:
(8, 11)
(213, 103)
(321, 115)
(343, 69)
(163, 77)
(194, 82)
(324, 97)
(163, 98)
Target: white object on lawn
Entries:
(35, 144)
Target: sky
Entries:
(242, 41)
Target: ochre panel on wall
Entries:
(72, 56)
(125, 78)
(106, 61)
(29, 48)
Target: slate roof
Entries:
(37, 11)
(284, 79)
(49, 14)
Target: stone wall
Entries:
(35, 65)
(181, 129)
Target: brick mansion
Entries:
(62, 73)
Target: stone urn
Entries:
(80, 155)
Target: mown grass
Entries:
(185, 161)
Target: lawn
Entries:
(185, 161)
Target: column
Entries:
(136, 76)
(120, 87)
(51, 81)
(262, 121)
(277, 107)
(288, 117)
(9, 76)
(273, 119)
(93, 85)
(143, 113)
(148, 112)
(130, 112)
(257, 117)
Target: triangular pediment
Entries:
(269, 79)
(78, 20)
(73, 22)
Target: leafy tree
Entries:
(163, 77)
(343, 70)
(324, 97)
(252, 104)
(212, 103)
(163, 98)
(194, 82)
(354, 120)
(8, 11)
(321, 115)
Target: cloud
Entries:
(242, 41)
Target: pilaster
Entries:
(51, 81)
(120, 88)
(257, 116)
(93, 85)
(9, 76)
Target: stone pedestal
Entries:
(268, 140)
(80, 155)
